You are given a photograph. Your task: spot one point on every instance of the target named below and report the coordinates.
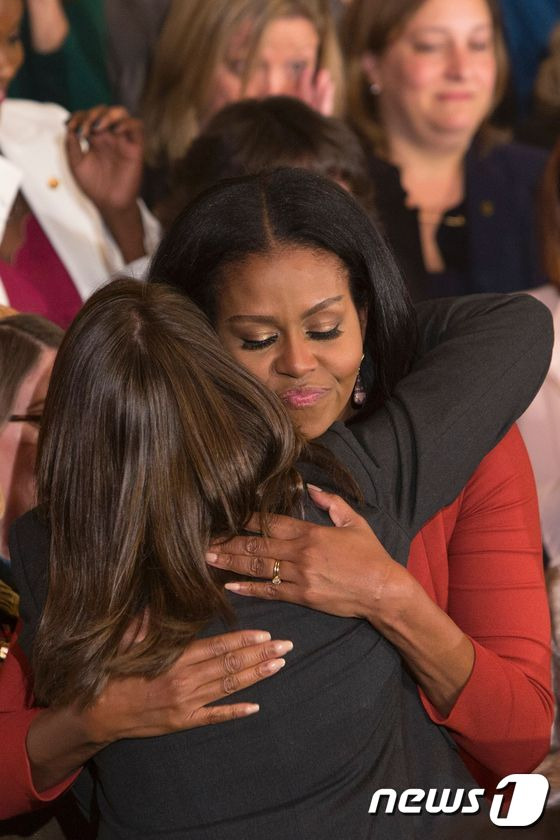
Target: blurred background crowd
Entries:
(441, 118)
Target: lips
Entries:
(455, 96)
(302, 397)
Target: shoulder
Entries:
(521, 162)
(29, 545)
(23, 119)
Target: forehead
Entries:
(295, 278)
(279, 36)
(456, 15)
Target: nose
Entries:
(458, 62)
(269, 81)
(295, 358)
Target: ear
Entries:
(370, 68)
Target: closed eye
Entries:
(326, 335)
(258, 344)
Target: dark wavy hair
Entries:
(257, 213)
(153, 442)
(255, 135)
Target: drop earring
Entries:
(375, 89)
(359, 392)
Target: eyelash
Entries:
(328, 335)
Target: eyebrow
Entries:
(268, 319)
(443, 29)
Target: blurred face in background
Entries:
(437, 77)
(11, 50)
(286, 53)
(18, 443)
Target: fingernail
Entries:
(211, 557)
(251, 708)
(264, 636)
(233, 587)
(282, 647)
(274, 665)
(314, 487)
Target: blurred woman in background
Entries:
(457, 204)
(211, 54)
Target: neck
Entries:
(431, 178)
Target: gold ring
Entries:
(276, 580)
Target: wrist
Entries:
(392, 599)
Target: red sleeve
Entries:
(502, 718)
(16, 713)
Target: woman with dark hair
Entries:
(253, 135)
(304, 294)
(345, 717)
(457, 202)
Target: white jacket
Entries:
(33, 159)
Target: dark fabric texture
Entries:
(488, 242)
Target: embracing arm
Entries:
(481, 361)
(502, 717)
(44, 749)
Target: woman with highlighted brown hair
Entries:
(456, 202)
(214, 53)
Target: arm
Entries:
(44, 749)
(50, 745)
(105, 153)
(65, 54)
(503, 715)
(481, 360)
(48, 25)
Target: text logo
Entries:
(530, 791)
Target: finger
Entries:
(232, 683)
(281, 527)
(324, 92)
(340, 512)
(210, 715)
(109, 118)
(73, 150)
(215, 646)
(241, 564)
(261, 552)
(81, 121)
(284, 591)
(238, 662)
(129, 126)
(305, 86)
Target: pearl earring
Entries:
(375, 89)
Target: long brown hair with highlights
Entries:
(153, 442)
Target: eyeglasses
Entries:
(35, 419)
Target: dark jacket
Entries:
(489, 242)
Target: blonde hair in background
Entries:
(191, 46)
(371, 26)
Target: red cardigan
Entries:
(480, 559)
